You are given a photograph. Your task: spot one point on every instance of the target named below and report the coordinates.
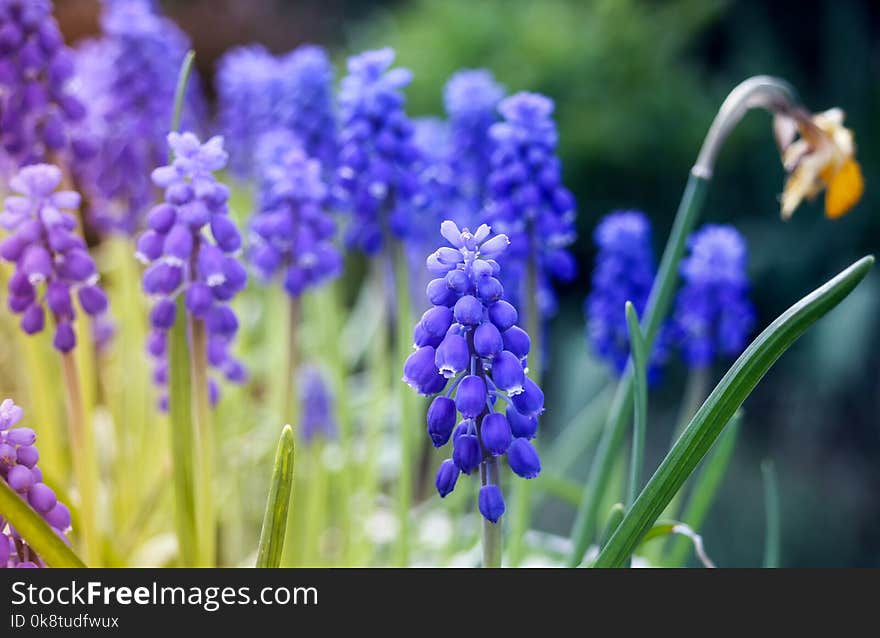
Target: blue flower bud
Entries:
(179, 243)
(65, 338)
(422, 337)
(162, 315)
(458, 281)
(149, 246)
(521, 425)
(468, 311)
(92, 299)
(530, 401)
(452, 355)
(199, 299)
(502, 314)
(441, 420)
(436, 320)
(489, 289)
(439, 293)
(447, 475)
(507, 373)
(225, 233)
(523, 459)
(494, 247)
(222, 321)
(487, 340)
(495, 433)
(161, 218)
(517, 341)
(419, 369)
(33, 319)
(491, 503)
(466, 453)
(470, 398)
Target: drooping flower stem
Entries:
(491, 531)
(207, 517)
(85, 468)
(763, 92)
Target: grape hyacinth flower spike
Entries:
(713, 314)
(190, 247)
(38, 110)
(52, 262)
(528, 202)
(19, 469)
(376, 172)
(470, 354)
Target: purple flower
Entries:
(37, 108)
(460, 343)
(624, 271)
(128, 77)
(292, 234)
(471, 98)
(527, 200)
(713, 315)
(317, 418)
(190, 250)
(18, 467)
(377, 177)
(51, 260)
(261, 94)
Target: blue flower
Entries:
(460, 343)
(51, 261)
(292, 233)
(377, 177)
(527, 200)
(713, 315)
(261, 94)
(190, 247)
(471, 98)
(128, 77)
(38, 110)
(19, 469)
(624, 271)
(317, 418)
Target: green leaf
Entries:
(612, 521)
(771, 505)
(722, 403)
(706, 485)
(278, 503)
(35, 530)
(640, 401)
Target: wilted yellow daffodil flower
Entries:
(823, 157)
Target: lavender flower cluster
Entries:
(377, 174)
(470, 336)
(184, 259)
(528, 201)
(19, 469)
(262, 95)
(37, 106)
(51, 261)
(292, 232)
(128, 77)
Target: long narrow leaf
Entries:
(724, 400)
(640, 402)
(278, 503)
(35, 530)
(706, 485)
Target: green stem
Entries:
(294, 314)
(407, 405)
(85, 464)
(491, 531)
(771, 505)
(207, 520)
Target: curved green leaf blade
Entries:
(722, 403)
(278, 503)
(638, 347)
(35, 530)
